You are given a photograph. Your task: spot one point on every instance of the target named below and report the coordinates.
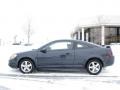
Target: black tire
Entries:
(26, 66)
(94, 66)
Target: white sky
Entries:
(50, 19)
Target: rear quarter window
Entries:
(79, 46)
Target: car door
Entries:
(58, 54)
(80, 54)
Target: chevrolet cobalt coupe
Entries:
(64, 54)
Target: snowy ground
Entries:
(12, 79)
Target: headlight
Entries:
(13, 56)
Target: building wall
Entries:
(93, 34)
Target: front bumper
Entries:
(13, 63)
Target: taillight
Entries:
(109, 53)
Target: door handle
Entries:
(67, 53)
(62, 56)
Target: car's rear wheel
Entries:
(26, 66)
(94, 67)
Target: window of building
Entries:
(94, 35)
(112, 35)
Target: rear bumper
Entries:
(109, 61)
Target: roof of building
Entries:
(99, 21)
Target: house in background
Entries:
(99, 33)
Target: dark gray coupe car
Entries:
(64, 54)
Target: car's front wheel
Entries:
(94, 67)
(26, 66)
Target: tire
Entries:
(94, 67)
(26, 66)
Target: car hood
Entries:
(26, 52)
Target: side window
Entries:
(81, 45)
(61, 45)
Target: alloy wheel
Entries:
(26, 66)
(94, 67)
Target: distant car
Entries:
(64, 54)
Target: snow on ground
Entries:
(57, 84)
(12, 79)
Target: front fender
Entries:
(31, 55)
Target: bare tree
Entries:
(15, 39)
(29, 32)
(0, 42)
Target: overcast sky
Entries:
(50, 19)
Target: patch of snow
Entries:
(59, 84)
(4, 88)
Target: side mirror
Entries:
(44, 51)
